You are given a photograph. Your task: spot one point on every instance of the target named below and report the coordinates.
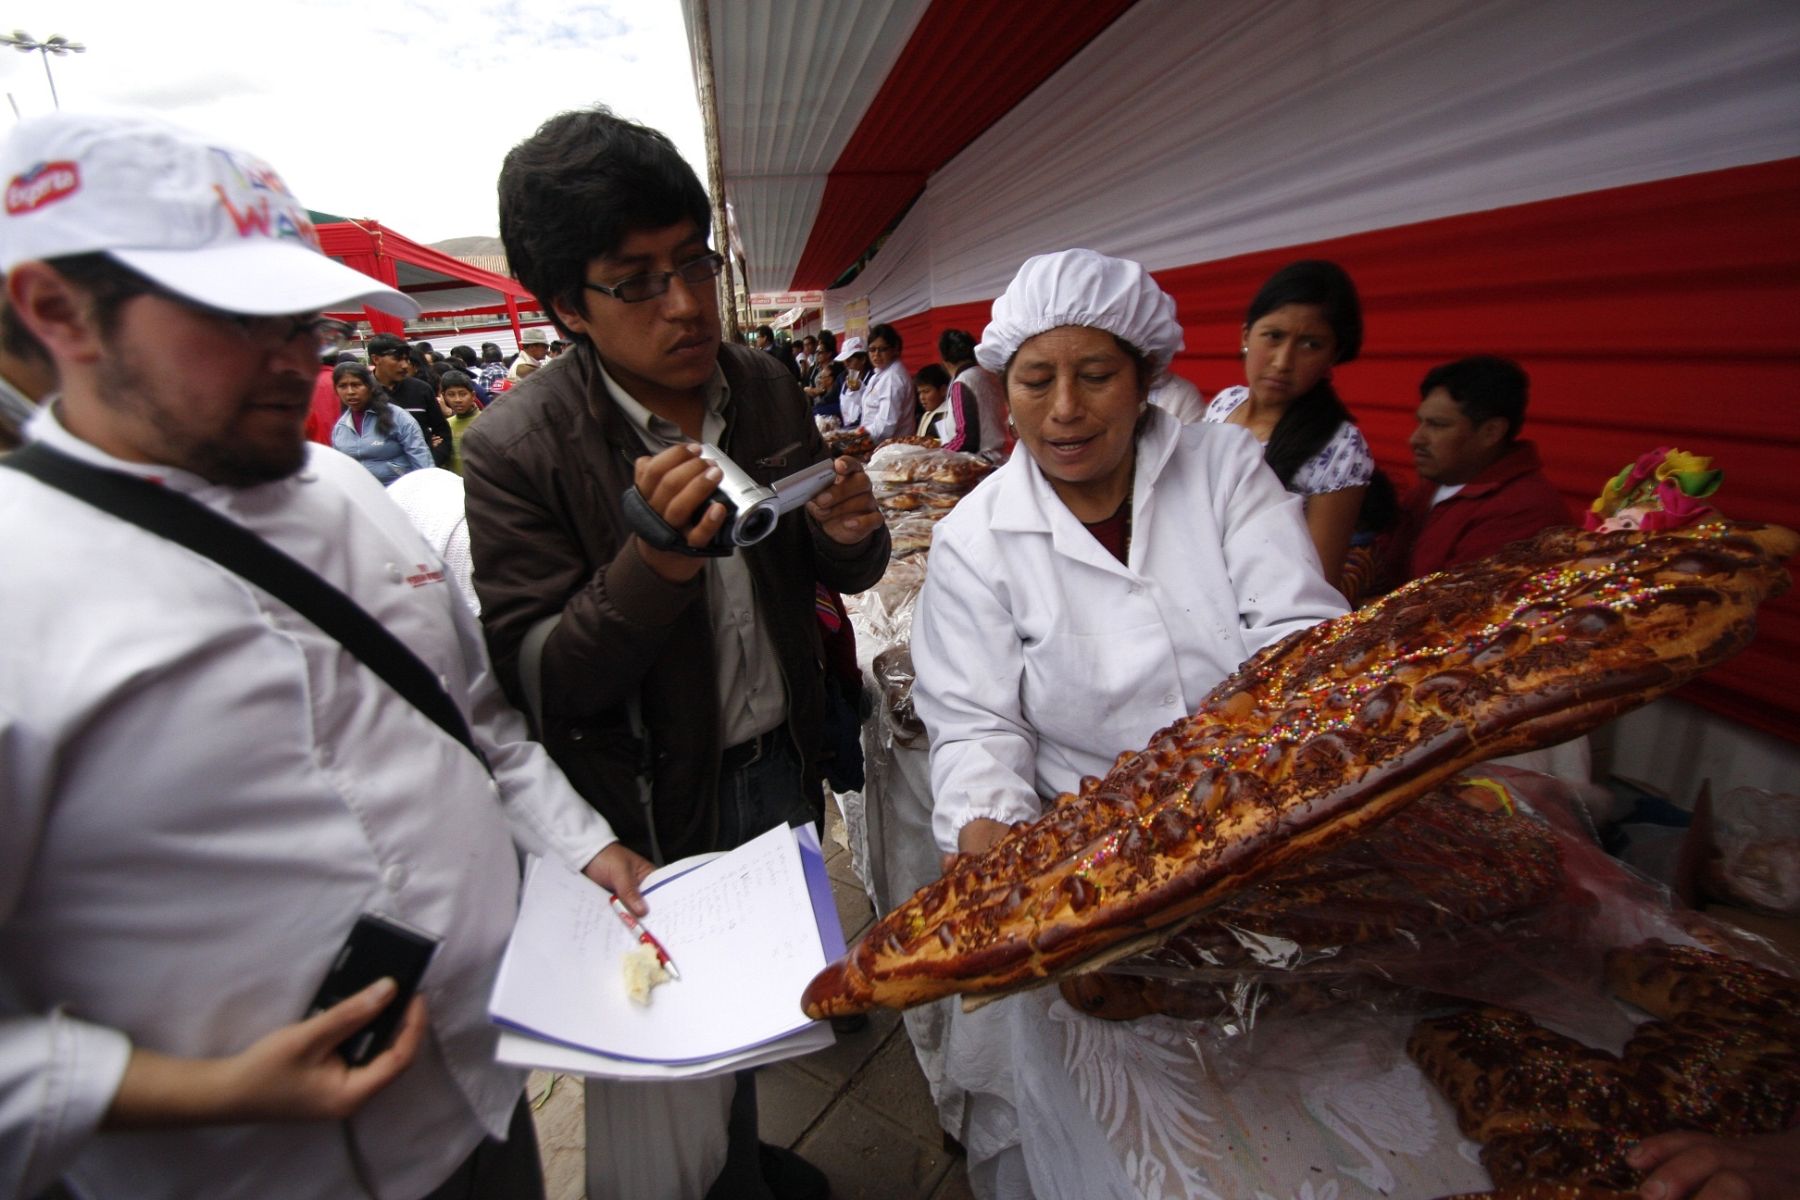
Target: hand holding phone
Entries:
(378, 947)
(293, 1073)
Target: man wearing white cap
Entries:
(202, 788)
(534, 347)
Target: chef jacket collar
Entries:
(1026, 503)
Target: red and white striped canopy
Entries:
(833, 115)
(1609, 193)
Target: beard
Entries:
(256, 437)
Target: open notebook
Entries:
(748, 929)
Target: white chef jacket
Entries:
(887, 404)
(200, 792)
(850, 400)
(1040, 657)
(990, 404)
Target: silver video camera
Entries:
(752, 508)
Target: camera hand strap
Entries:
(648, 524)
(170, 515)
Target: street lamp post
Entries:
(24, 43)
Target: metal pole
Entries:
(45, 55)
(715, 163)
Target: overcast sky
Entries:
(391, 109)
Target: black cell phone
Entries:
(378, 948)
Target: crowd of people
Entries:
(206, 783)
(421, 402)
(1481, 485)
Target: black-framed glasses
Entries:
(331, 335)
(652, 284)
(267, 332)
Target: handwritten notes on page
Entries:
(743, 927)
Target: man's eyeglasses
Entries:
(330, 335)
(270, 332)
(652, 284)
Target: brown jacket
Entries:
(545, 469)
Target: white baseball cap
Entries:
(851, 346)
(209, 222)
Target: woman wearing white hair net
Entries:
(1091, 592)
(1100, 584)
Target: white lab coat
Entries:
(887, 403)
(1040, 657)
(1180, 399)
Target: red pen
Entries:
(645, 937)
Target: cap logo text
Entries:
(44, 184)
(252, 213)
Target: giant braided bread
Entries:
(1315, 739)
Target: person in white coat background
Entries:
(1102, 582)
(887, 408)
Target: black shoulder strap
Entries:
(171, 515)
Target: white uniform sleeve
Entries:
(1273, 563)
(1180, 399)
(58, 1075)
(968, 667)
(547, 815)
(883, 404)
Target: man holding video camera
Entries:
(682, 694)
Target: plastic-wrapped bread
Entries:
(1666, 981)
(1442, 881)
(1314, 740)
(1505, 1075)
(1724, 1059)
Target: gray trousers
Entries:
(692, 1138)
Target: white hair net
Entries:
(1081, 287)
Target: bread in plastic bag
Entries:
(1519, 906)
(1758, 838)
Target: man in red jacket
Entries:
(1479, 487)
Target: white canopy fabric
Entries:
(793, 80)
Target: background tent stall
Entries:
(1609, 193)
(446, 288)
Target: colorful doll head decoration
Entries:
(1661, 490)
